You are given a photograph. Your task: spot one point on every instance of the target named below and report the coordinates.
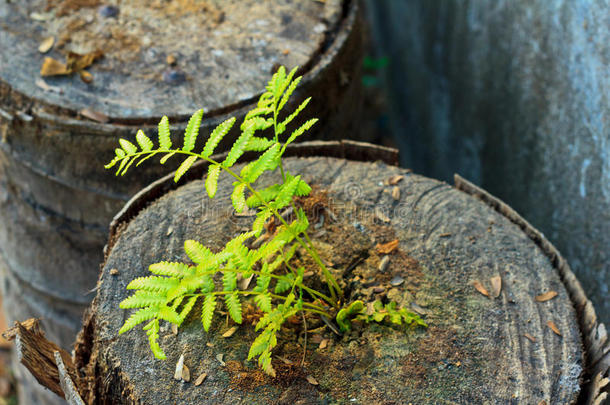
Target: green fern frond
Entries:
(263, 301)
(197, 252)
(238, 197)
(153, 284)
(217, 134)
(264, 361)
(192, 131)
(300, 131)
(281, 126)
(207, 311)
(291, 88)
(211, 182)
(145, 143)
(258, 111)
(284, 284)
(167, 156)
(169, 315)
(186, 309)
(142, 299)
(138, 317)
(266, 194)
(257, 144)
(259, 222)
(229, 280)
(269, 160)
(128, 147)
(152, 331)
(233, 306)
(239, 147)
(287, 191)
(184, 166)
(172, 269)
(165, 142)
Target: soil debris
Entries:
(384, 263)
(114, 272)
(553, 327)
(94, 115)
(530, 337)
(549, 295)
(479, 287)
(387, 248)
(496, 286)
(397, 280)
(311, 380)
(200, 379)
(392, 181)
(396, 193)
(46, 44)
(182, 372)
(230, 332)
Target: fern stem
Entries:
(308, 246)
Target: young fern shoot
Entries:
(171, 293)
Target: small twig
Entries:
(305, 339)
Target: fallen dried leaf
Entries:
(208, 344)
(396, 193)
(200, 379)
(46, 45)
(171, 60)
(530, 337)
(311, 380)
(542, 402)
(384, 263)
(549, 295)
(479, 287)
(186, 374)
(285, 360)
(114, 272)
(94, 115)
(179, 367)
(219, 357)
(496, 286)
(386, 248)
(46, 87)
(392, 181)
(53, 67)
(86, 76)
(444, 235)
(77, 62)
(230, 332)
(174, 329)
(382, 216)
(553, 327)
(323, 344)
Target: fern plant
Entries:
(171, 293)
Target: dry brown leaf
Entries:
(392, 181)
(46, 45)
(553, 327)
(200, 379)
(382, 216)
(311, 380)
(396, 193)
(479, 287)
(323, 344)
(230, 332)
(186, 373)
(285, 360)
(86, 76)
(208, 344)
(77, 62)
(530, 337)
(542, 402)
(386, 248)
(549, 295)
(94, 115)
(496, 286)
(179, 368)
(220, 357)
(53, 67)
(114, 272)
(170, 60)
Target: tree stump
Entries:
(494, 347)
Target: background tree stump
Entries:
(160, 58)
(477, 348)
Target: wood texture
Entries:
(455, 238)
(56, 199)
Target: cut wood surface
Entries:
(476, 349)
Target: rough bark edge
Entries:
(30, 107)
(48, 363)
(595, 388)
(345, 149)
